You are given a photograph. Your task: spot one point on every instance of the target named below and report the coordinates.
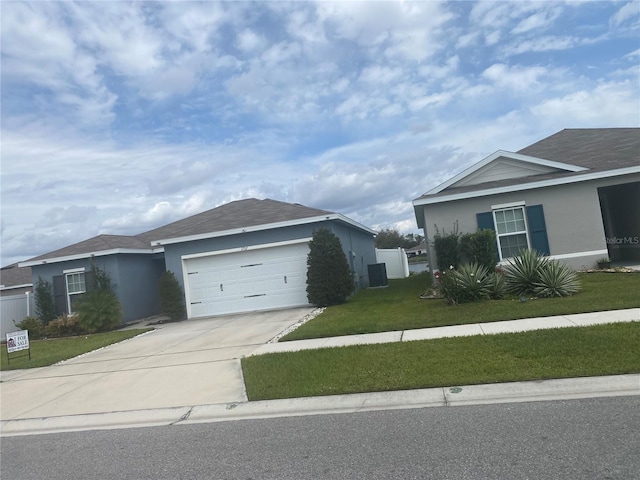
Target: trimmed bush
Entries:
(447, 247)
(98, 311)
(33, 325)
(171, 297)
(63, 326)
(480, 247)
(329, 279)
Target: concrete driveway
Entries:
(195, 362)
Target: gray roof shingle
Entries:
(596, 149)
(250, 212)
(13, 275)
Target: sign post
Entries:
(17, 341)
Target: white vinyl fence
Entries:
(15, 308)
(395, 260)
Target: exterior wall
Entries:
(134, 277)
(572, 215)
(353, 241)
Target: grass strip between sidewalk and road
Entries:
(399, 307)
(54, 350)
(542, 354)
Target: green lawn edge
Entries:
(50, 351)
(536, 355)
(399, 307)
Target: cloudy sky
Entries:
(118, 117)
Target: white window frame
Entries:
(506, 207)
(69, 274)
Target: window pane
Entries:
(511, 245)
(75, 283)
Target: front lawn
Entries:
(399, 307)
(50, 351)
(536, 355)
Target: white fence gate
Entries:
(13, 309)
(395, 260)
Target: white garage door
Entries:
(260, 279)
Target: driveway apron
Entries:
(194, 362)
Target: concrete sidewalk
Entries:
(190, 372)
(489, 328)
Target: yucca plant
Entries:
(556, 280)
(497, 285)
(473, 281)
(522, 274)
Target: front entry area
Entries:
(260, 278)
(620, 207)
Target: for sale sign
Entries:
(17, 341)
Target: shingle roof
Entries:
(592, 148)
(12, 275)
(596, 149)
(97, 244)
(239, 214)
(235, 215)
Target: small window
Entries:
(511, 231)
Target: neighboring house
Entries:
(417, 250)
(574, 196)
(242, 256)
(15, 280)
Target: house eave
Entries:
(506, 154)
(14, 287)
(80, 256)
(259, 228)
(526, 186)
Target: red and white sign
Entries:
(17, 341)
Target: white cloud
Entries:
(627, 12)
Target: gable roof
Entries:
(240, 214)
(228, 219)
(572, 155)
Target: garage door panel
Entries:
(259, 279)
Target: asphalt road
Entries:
(577, 439)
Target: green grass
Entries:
(48, 352)
(399, 307)
(542, 354)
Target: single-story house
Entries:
(243, 256)
(15, 280)
(574, 196)
(420, 249)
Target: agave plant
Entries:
(497, 285)
(473, 281)
(556, 280)
(522, 274)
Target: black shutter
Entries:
(538, 229)
(60, 294)
(485, 221)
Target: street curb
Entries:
(515, 392)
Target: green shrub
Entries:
(523, 272)
(556, 280)
(497, 285)
(532, 274)
(447, 247)
(63, 326)
(329, 279)
(171, 297)
(45, 306)
(98, 311)
(470, 283)
(33, 325)
(480, 247)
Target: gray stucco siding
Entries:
(352, 240)
(572, 215)
(134, 278)
(359, 248)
